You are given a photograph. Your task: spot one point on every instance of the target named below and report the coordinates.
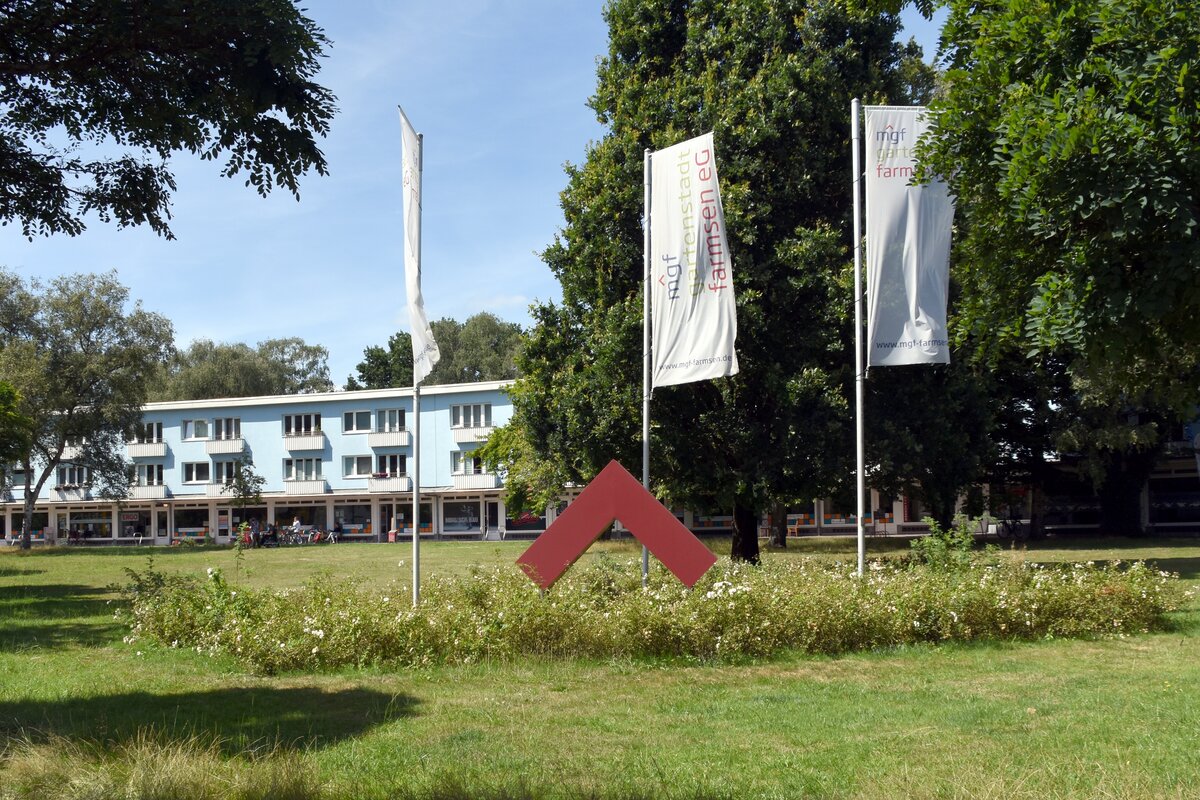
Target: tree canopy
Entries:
(773, 81)
(81, 358)
(83, 80)
(483, 348)
(207, 369)
(1071, 136)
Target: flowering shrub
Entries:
(602, 611)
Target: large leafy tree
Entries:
(1071, 134)
(207, 369)
(81, 357)
(97, 94)
(773, 81)
(15, 429)
(483, 348)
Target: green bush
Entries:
(602, 611)
(946, 549)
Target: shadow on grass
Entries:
(238, 720)
(157, 551)
(54, 616)
(8, 571)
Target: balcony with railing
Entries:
(226, 446)
(148, 493)
(71, 491)
(381, 483)
(471, 435)
(476, 480)
(318, 486)
(147, 449)
(301, 442)
(217, 489)
(400, 438)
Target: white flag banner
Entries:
(691, 278)
(908, 245)
(425, 349)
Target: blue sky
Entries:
(497, 87)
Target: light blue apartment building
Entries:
(337, 457)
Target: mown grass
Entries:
(78, 708)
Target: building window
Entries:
(301, 469)
(389, 420)
(227, 428)
(149, 474)
(195, 429)
(225, 471)
(356, 422)
(301, 424)
(356, 466)
(72, 475)
(478, 415)
(465, 463)
(390, 466)
(196, 472)
(149, 433)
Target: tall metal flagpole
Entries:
(646, 377)
(416, 543)
(859, 375)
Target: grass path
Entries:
(1110, 718)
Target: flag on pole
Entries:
(908, 245)
(691, 281)
(425, 349)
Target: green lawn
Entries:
(1113, 718)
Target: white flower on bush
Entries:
(725, 589)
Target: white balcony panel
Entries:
(389, 439)
(147, 449)
(217, 490)
(72, 494)
(402, 483)
(311, 441)
(484, 480)
(467, 435)
(221, 446)
(71, 452)
(148, 493)
(306, 487)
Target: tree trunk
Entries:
(779, 526)
(27, 509)
(745, 533)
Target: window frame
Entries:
(192, 469)
(311, 424)
(383, 420)
(384, 462)
(219, 425)
(353, 418)
(356, 462)
(289, 469)
(471, 415)
(149, 475)
(188, 430)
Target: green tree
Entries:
(484, 348)
(386, 368)
(81, 80)
(1071, 135)
(929, 432)
(773, 81)
(245, 487)
(16, 431)
(81, 359)
(207, 369)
